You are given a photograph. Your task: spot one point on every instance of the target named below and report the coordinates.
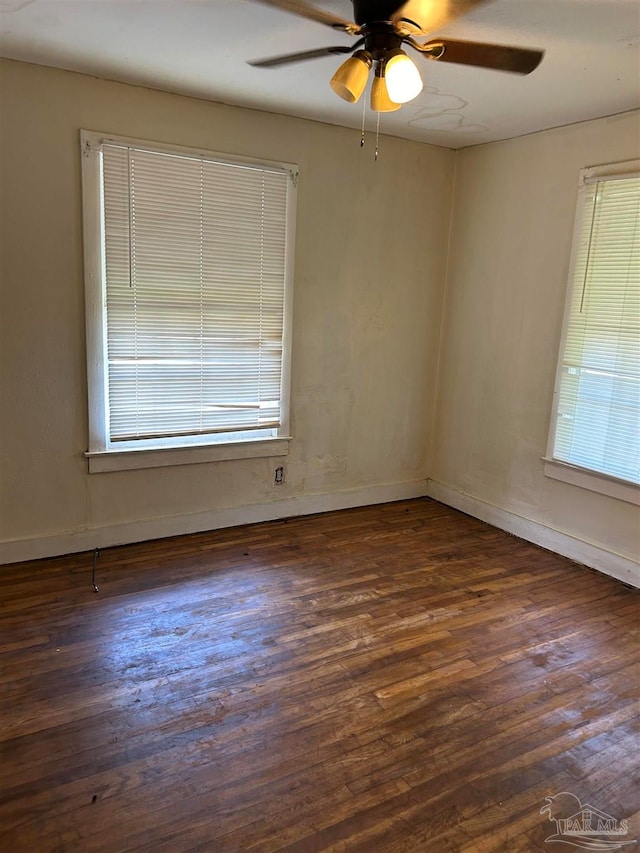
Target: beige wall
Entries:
(369, 285)
(369, 272)
(513, 217)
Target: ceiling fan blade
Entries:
(431, 15)
(299, 57)
(298, 7)
(519, 60)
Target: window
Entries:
(188, 268)
(595, 427)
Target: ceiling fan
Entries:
(382, 27)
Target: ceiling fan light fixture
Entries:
(403, 81)
(380, 100)
(350, 79)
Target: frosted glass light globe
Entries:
(402, 77)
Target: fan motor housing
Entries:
(380, 38)
(367, 11)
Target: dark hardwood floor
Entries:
(394, 678)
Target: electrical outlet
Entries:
(279, 475)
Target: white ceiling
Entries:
(199, 47)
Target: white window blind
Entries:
(194, 265)
(597, 416)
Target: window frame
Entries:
(557, 469)
(106, 455)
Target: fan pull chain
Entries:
(377, 135)
(364, 107)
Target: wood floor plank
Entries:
(387, 679)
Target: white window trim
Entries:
(101, 455)
(127, 460)
(553, 468)
(591, 480)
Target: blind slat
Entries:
(194, 253)
(598, 401)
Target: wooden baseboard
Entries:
(34, 548)
(617, 566)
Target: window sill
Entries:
(628, 492)
(128, 460)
